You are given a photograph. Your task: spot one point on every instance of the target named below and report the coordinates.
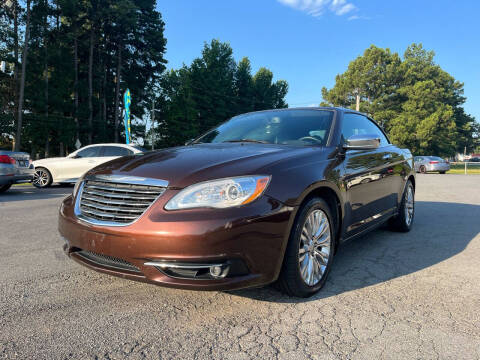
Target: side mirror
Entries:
(76, 157)
(362, 142)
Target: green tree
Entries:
(211, 90)
(418, 103)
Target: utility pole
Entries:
(153, 124)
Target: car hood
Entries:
(183, 166)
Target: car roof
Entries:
(108, 144)
(331, 108)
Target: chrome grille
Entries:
(116, 200)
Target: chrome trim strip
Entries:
(122, 180)
(173, 265)
(129, 180)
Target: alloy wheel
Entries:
(409, 205)
(315, 246)
(41, 178)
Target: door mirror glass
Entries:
(362, 142)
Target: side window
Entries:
(116, 151)
(89, 152)
(355, 124)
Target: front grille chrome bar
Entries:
(113, 200)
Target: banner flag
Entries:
(127, 100)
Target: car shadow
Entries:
(29, 192)
(440, 231)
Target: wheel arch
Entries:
(412, 179)
(330, 193)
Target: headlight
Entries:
(220, 194)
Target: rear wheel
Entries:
(403, 221)
(310, 249)
(4, 188)
(442, 172)
(42, 178)
(423, 169)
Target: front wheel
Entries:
(42, 178)
(423, 169)
(309, 253)
(442, 172)
(4, 188)
(403, 221)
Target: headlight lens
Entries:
(220, 194)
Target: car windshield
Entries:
(288, 127)
(436, 158)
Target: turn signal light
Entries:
(5, 159)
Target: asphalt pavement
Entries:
(389, 295)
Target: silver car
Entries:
(15, 167)
(424, 164)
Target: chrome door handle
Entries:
(387, 156)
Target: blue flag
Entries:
(127, 100)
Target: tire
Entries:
(442, 172)
(423, 169)
(42, 178)
(5, 187)
(291, 281)
(406, 213)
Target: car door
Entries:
(81, 162)
(369, 175)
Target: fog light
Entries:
(218, 271)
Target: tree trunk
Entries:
(45, 44)
(104, 108)
(15, 69)
(75, 84)
(117, 92)
(90, 89)
(18, 138)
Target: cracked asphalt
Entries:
(389, 295)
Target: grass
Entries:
(23, 184)
(462, 171)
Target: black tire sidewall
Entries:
(402, 223)
(5, 187)
(299, 287)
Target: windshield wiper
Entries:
(246, 140)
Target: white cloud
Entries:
(358, 17)
(319, 7)
(341, 7)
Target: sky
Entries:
(308, 42)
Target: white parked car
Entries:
(69, 169)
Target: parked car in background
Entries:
(15, 167)
(424, 164)
(265, 196)
(69, 169)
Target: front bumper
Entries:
(254, 235)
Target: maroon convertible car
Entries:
(265, 197)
